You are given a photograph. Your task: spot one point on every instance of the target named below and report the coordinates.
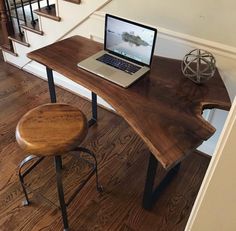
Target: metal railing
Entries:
(15, 13)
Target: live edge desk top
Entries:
(162, 107)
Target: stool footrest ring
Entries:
(58, 165)
(26, 172)
(94, 171)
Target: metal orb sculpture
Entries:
(198, 65)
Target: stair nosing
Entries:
(18, 41)
(53, 17)
(74, 1)
(39, 32)
(9, 51)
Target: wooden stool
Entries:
(53, 130)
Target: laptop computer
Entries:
(127, 54)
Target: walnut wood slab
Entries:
(51, 129)
(163, 107)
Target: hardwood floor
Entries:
(122, 159)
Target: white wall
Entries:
(215, 206)
(212, 20)
(183, 25)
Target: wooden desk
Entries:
(162, 107)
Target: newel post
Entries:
(5, 23)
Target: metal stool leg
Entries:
(99, 186)
(58, 164)
(58, 167)
(26, 202)
(85, 150)
(27, 171)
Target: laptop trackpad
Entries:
(105, 71)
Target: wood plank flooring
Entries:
(122, 159)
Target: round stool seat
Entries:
(51, 129)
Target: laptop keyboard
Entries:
(119, 63)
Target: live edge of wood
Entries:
(163, 107)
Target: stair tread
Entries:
(49, 13)
(74, 1)
(33, 28)
(8, 49)
(19, 38)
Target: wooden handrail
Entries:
(5, 24)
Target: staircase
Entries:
(51, 22)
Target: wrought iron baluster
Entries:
(31, 13)
(9, 17)
(23, 10)
(48, 5)
(17, 18)
(39, 4)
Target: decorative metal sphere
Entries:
(198, 65)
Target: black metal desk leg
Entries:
(93, 120)
(51, 85)
(150, 178)
(94, 106)
(151, 195)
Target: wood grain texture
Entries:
(163, 107)
(5, 25)
(122, 161)
(1, 36)
(51, 129)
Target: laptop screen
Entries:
(129, 40)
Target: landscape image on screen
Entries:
(129, 40)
